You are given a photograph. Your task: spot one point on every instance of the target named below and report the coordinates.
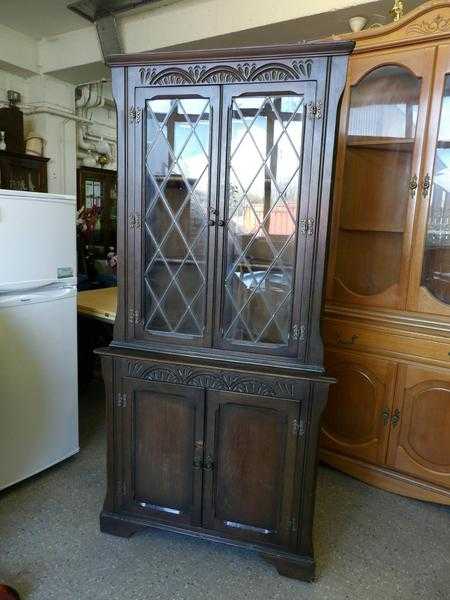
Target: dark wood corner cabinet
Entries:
(215, 381)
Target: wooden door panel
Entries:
(356, 419)
(253, 444)
(165, 450)
(420, 432)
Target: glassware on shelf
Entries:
(436, 260)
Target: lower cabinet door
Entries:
(162, 442)
(250, 467)
(419, 443)
(356, 419)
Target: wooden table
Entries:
(98, 304)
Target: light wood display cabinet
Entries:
(215, 379)
(386, 323)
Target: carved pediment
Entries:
(222, 74)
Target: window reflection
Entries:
(393, 109)
(263, 178)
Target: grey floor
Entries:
(369, 544)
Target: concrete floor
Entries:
(370, 544)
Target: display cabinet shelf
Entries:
(381, 143)
(372, 229)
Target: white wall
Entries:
(49, 111)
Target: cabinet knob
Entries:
(386, 414)
(211, 222)
(412, 186)
(221, 223)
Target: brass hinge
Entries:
(134, 317)
(298, 427)
(134, 220)
(122, 488)
(315, 110)
(121, 400)
(292, 524)
(298, 333)
(135, 114)
(306, 226)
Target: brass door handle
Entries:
(209, 463)
(412, 185)
(197, 463)
(395, 418)
(349, 342)
(426, 185)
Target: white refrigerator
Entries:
(38, 333)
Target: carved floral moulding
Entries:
(216, 380)
(439, 24)
(234, 73)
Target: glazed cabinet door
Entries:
(175, 168)
(377, 177)
(267, 141)
(430, 273)
(250, 467)
(162, 437)
(419, 443)
(357, 416)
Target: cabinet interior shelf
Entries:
(373, 229)
(381, 143)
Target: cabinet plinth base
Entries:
(118, 527)
(299, 568)
(386, 479)
(295, 566)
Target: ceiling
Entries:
(45, 18)
(40, 18)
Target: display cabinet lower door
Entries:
(250, 457)
(162, 438)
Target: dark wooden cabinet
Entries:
(98, 188)
(215, 379)
(23, 172)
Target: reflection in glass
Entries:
(377, 172)
(263, 179)
(177, 160)
(436, 264)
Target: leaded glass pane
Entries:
(263, 181)
(177, 161)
